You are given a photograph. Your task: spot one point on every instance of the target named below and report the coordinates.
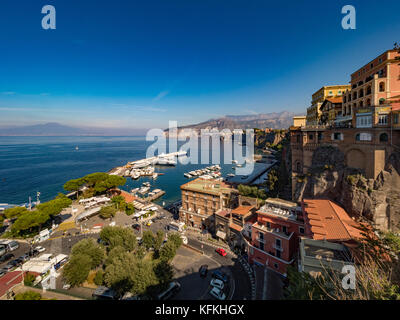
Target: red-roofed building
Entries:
(275, 234)
(9, 281)
(231, 224)
(331, 235)
(325, 220)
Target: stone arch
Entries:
(355, 158)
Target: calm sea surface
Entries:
(31, 164)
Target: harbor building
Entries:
(201, 199)
(313, 112)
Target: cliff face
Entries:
(273, 138)
(375, 200)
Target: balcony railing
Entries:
(277, 247)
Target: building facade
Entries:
(314, 112)
(274, 236)
(201, 199)
(367, 128)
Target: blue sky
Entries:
(139, 64)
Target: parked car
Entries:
(6, 257)
(136, 226)
(8, 267)
(2, 273)
(217, 283)
(33, 253)
(221, 251)
(24, 257)
(40, 249)
(17, 262)
(220, 276)
(203, 270)
(217, 293)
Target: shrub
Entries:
(28, 295)
(99, 278)
(29, 279)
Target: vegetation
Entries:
(119, 237)
(121, 205)
(85, 256)
(29, 279)
(30, 222)
(12, 213)
(97, 183)
(77, 269)
(107, 212)
(90, 248)
(377, 273)
(28, 295)
(252, 192)
(126, 266)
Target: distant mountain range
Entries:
(57, 129)
(274, 120)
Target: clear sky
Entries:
(141, 63)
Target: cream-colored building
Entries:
(314, 112)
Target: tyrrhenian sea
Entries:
(44, 164)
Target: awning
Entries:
(221, 235)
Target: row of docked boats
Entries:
(137, 173)
(211, 171)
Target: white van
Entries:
(10, 245)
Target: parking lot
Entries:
(194, 287)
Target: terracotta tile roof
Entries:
(335, 100)
(9, 280)
(326, 220)
(242, 210)
(127, 196)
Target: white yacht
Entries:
(187, 175)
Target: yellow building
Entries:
(299, 121)
(314, 112)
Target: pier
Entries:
(144, 162)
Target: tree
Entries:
(29, 279)
(29, 221)
(164, 273)
(77, 269)
(107, 212)
(148, 239)
(115, 253)
(28, 295)
(99, 278)
(144, 277)
(168, 251)
(97, 182)
(119, 236)
(12, 213)
(129, 209)
(176, 239)
(158, 240)
(118, 274)
(55, 206)
(90, 248)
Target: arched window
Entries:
(354, 95)
(383, 137)
(361, 93)
(381, 87)
(381, 101)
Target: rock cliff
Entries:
(376, 200)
